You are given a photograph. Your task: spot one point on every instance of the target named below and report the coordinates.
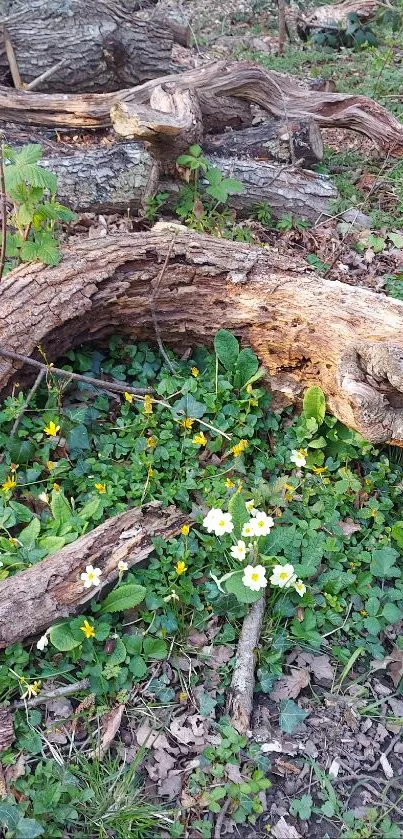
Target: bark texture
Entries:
(104, 45)
(305, 330)
(7, 735)
(337, 14)
(52, 589)
(240, 701)
(276, 140)
(282, 96)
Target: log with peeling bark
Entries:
(275, 140)
(282, 96)
(240, 696)
(305, 330)
(123, 176)
(104, 45)
(336, 15)
(34, 599)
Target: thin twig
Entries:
(117, 387)
(3, 199)
(152, 307)
(12, 61)
(65, 690)
(220, 818)
(32, 392)
(39, 79)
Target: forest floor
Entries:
(324, 754)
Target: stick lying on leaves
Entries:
(34, 599)
(240, 702)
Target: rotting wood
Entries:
(240, 697)
(7, 735)
(34, 599)
(305, 330)
(275, 140)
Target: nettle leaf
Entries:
(247, 366)
(314, 404)
(291, 716)
(234, 585)
(64, 637)
(29, 251)
(124, 597)
(48, 251)
(226, 348)
(239, 513)
(30, 153)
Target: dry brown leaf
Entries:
(233, 773)
(218, 655)
(17, 770)
(110, 724)
(289, 687)
(197, 639)
(396, 705)
(319, 665)
(285, 766)
(283, 830)
(171, 787)
(393, 663)
(189, 729)
(348, 526)
(162, 764)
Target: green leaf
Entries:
(206, 704)
(227, 348)
(134, 643)
(396, 239)
(30, 153)
(314, 404)
(233, 186)
(372, 625)
(29, 534)
(138, 667)
(64, 638)
(60, 507)
(302, 807)
(392, 613)
(24, 214)
(52, 543)
(377, 243)
(29, 251)
(9, 815)
(247, 366)
(78, 440)
(383, 563)
(91, 508)
(239, 513)
(234, 585)
(155, 648)
(48, 251)
(28, 829)
(119, 653)
(397, 529)
(188, 406)
(291, 716)
(124, 597)
(21, 451)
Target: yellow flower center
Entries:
(254, 577)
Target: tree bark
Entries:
(240, 697)
(123, 176)
(34, 599)
(336, 15)
(282, 96)
(305, 330)
(276, 140)
(105, 45)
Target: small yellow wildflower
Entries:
(200, 439)
(239, 448)
(363, 613)
(180, 567)
(13, 542)
(195, 372)
(151, 442)
(101, 488)
(128, 397)
(50, 465)
(319, 470)
(228, 483)
(32, 689)
(9, 483)
(150, 471)
(51, 429)
(183, 696)
(185, 529)
(187, 423)
(249, 388)
(148, 404)
(56, 487)
(89, 631)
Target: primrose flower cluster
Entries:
(259, 524)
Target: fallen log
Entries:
(277, 140)
(306, 330)
(282, 96)
(123, 176)
(34, 599)
(336, 15)
(104, 45)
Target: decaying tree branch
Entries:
(305, 330)
(337, 14)
(240, 701)
(34, 599)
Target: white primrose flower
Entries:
(300, 587)
(238, 551)
(122, 566)
(91, 576)
(211, 518)
(223, 524)
(254, 577)
(261, 523)
(298, 456)
(43, 642)
(282, 575)
(250, 506)
(248, 529)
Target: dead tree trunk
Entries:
(276, 140)
(305, 330)
(104, 45)
(52, 589)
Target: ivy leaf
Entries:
(314, 404)
(227, 348)
(78, 440)
(188, 406)
(291, 716)
(124, 597)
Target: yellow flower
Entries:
(51, 429)
(13, 542)
(101, 488)
(249, 388)
(56, 487)
(187, 423)
(239, 448)
(183, 696)
(31, 689)
(151, 442)
(363, 613)
(128, 397)
(89, 631)
(319, 470)
(150, 471)
(50, 465)
(180, 567)
(148, 404)
(200, 439)
(9, 483)
(185, 529)
(195, 372)
(228, 483)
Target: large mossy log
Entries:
(52, 589)
(305, 330)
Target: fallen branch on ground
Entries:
(240, 700)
